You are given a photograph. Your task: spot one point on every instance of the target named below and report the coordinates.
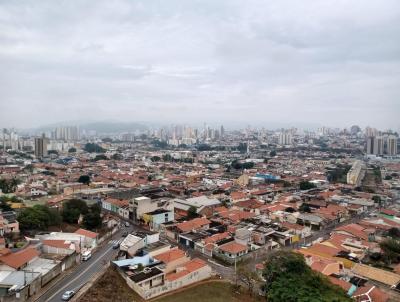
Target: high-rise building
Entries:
(40, 146)
(382, 145)
(285, 139)
(70, 133)
(391, 145)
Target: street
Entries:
(84, 272)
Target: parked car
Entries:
(115, 245)
(68, 295)
(127, 224)
(86, 255)
(124, 234)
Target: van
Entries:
(86, 255)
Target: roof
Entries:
(61, 244)
(233, 247)
(117, 202)
(376, 274)
(87, 233)
(370, 292)
(189, 267)
(18, 259)
(170, 255)
(193, 224)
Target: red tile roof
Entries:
(233, 247)
(193, 224)
(186, 269)
(170, 255)
(18, 259)
(87, 233)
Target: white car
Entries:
(68, 295)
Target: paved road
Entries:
(84, 272)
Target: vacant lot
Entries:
(111, 287)
(210, 292)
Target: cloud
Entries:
(327, 62)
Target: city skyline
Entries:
(326, 63)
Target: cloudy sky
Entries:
(334, 63)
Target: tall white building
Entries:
(285, 139)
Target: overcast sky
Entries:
(333, 63)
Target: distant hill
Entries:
(100, 127)
(112, 127)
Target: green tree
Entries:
(117, 156)
(72, 150)
(305, 208)
(289, 278)
(93, 148)
(9, 185)
(38, 218)
(192, 212)
(394, 233)
(4, 206)
(92, 221)
(84, 179)
(72, 209)
(100, 157)
(272, 153)
(52, 152)
(306, 185)
(391, 250)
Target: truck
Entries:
(86, 255)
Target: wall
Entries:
(199, 275)
(54, 272)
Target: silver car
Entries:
(68, 295)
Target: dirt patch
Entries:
(110, 287)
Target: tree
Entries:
(305, 208)
(52, 152)
(272, 153)
(38, 218)
(391, 250)
(155, 158)
(72, 209)
(249, 278)
(4, 206)
(107, 140)
(306, 185)
(84, 179)
(72, 150)
(93, 148)
(192, 212)
(376, 199)
(117, 156)
(394, 233)
(9, 185)
(92, 221)
(289, 278)
(100, 157)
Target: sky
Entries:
(332, 63)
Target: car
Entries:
(115, 245)
(86, 255)
(124, 234)
(68, 295)
(127, 224)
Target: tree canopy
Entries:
(84, 179)
(289, 278)
(93, 148)
(306, 185)
(72, 209)
(9, 185)
(38, 217)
